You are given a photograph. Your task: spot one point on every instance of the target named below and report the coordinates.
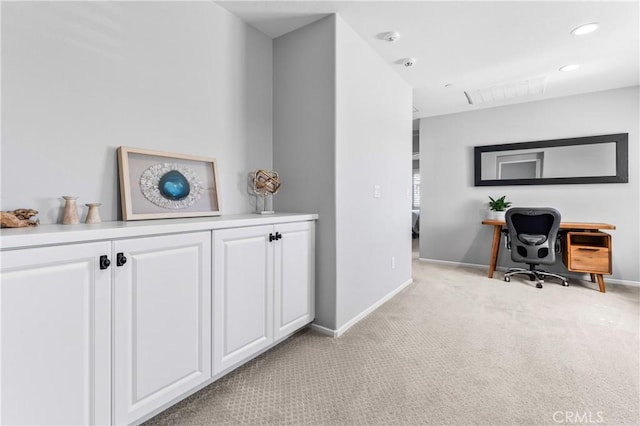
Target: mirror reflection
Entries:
(551, 162)
(593, 159)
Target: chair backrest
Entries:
(533, 232)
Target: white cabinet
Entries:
(55, 329)
(162, 321)
(242, 294)
(294, 277)
(263, 288)
(83, 342)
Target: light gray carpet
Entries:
(453, 348)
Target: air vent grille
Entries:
(530, 87)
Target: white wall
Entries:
(373, 147)
(80, 79)
(446, 146)
(304, 143)
(342, 123)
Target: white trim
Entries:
(339, 332)
(372, 308)
(622, 282)
(576, 275)
(450, 263)
(324, 330)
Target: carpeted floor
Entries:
(453, 348)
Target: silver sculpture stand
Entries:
(264, 205)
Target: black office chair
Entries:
(532, 237)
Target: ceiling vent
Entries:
(533, 86)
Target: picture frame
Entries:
(162, 185)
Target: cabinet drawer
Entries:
(590, 259)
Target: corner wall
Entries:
(373, 148)
(80, 79)
(342, 124)
(304, 143)
(446, 157)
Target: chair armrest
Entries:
(559, 238)
(507, 239)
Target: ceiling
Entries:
(474, 45)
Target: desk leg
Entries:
(601, 283)
(593, 278)
(495, 248)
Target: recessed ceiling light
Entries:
(569, 67)
(585, 29)
(392, 36)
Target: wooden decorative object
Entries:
(20, 218)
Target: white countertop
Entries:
(44, 235)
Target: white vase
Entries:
(494, 215)
(70, 213)
(93, 215)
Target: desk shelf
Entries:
(588, 252)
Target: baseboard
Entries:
(621, 282)
(339, 332)
(449, 263)
(575, 275)
(324, 330)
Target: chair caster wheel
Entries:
(565, 283)
(507, 279)
(538, 285)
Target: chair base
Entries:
(534, 275)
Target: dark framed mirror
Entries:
(590, 159)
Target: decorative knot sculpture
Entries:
(265, 183)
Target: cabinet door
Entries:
(294, 277)
(162, 321)
(243, 294)
(55, 330)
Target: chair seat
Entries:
(532, 239)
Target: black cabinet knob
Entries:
(120, 259)
(276, 237)
(104, 262)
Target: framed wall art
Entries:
(161, 185)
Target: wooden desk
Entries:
(574, 226)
